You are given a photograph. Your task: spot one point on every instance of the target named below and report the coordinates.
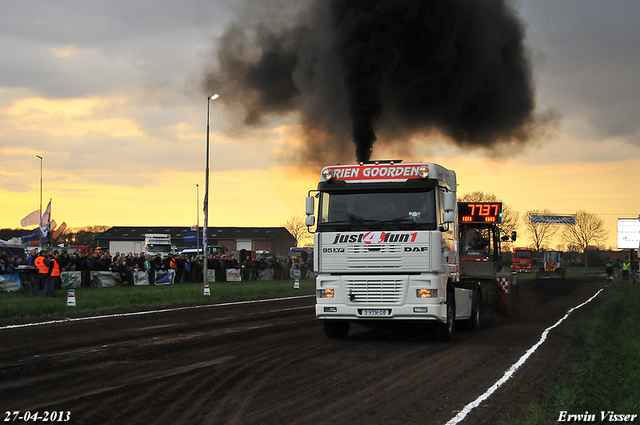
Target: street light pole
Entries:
(206, 197)
(40, 219)
(197, 218)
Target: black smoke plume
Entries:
(361, 70)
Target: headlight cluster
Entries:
(327, 173)
(426, 293)
(325, 293)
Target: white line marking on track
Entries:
(140, 313)
(507, 375)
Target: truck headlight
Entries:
(325, 293)
(426, 293)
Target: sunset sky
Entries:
(110, 94)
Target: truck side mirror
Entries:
(514, 235)
(310, 205)
(310, 221)
(449, 202)
(448, 217)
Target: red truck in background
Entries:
(522, 260)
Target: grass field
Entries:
(19, 307)
(602, 372)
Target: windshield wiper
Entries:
(358, 223)
(403, 219)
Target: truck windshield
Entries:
(386, 210)
(522, 254)
(214, 250)
(159, 248)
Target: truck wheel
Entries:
(474, 321)
(444, 331)
(336, 328)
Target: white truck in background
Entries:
(157, 243)
(126, 247)
(386, 247)
(154, 243)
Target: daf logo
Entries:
(416, 248)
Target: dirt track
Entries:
(270, 363)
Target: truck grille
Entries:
(374, 290)
(377, 257)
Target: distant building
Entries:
(276, 240)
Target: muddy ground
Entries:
(270, 363)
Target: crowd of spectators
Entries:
(187, 268)
(10, 263)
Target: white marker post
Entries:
(71, 298)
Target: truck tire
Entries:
(444, 331)
(336, 328)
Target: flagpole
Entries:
(197, 219)
(49, 224)
(206, 198)
(40, 219)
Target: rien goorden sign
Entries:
(376, 172)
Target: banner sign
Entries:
(553, 219)
(233, 275)
(211, 275)
(294, 273)
(165, 278)
(628, 233)
(70, 280)
(189, 236)
(9, 282)
(140, 278)
(371, 172)
(33, 235)
(104, 279)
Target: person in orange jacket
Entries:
(42, 263)
(54, 275)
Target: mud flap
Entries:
(501, 289)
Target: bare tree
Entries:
(298, 229)
(588, 230)
(509, 217)
(81, 235)
(539, 233)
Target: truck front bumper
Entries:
(381, 297)
(436, 312)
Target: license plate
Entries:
(376, 312)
